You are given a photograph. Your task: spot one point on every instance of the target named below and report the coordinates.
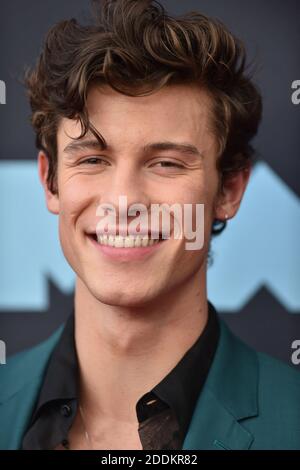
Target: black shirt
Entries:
(164, 413)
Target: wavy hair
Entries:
(137, 48)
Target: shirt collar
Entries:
(61, 378)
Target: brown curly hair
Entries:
(137, 48)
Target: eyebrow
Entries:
(87, 144)
(92, 144)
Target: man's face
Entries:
(89, 177)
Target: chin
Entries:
(122, 297)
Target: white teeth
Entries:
(126, 242)
(138, 241)
(119, 242)
(144, 241)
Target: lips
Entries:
(125, 248)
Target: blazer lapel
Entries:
(214, 428)
(228, 398)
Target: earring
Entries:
(226, 216)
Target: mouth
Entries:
(130, 248)
(131, 241)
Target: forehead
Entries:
(181, 111)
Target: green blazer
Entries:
(249, 400)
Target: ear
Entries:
(52, 200)
(232, 191)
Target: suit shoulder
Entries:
(279, 392)
(276, 372)
(25, 365)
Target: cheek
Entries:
(189, 258)
(69, 229)
(210, 191)
(203, 192)
(74, 200)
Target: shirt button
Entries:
(151, 402)
(66, 410)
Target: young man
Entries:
(159, 110)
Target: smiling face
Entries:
(145, 173)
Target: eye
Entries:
(168, 164)
(93, 161)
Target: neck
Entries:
(123, 352)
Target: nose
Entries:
(126, 190)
